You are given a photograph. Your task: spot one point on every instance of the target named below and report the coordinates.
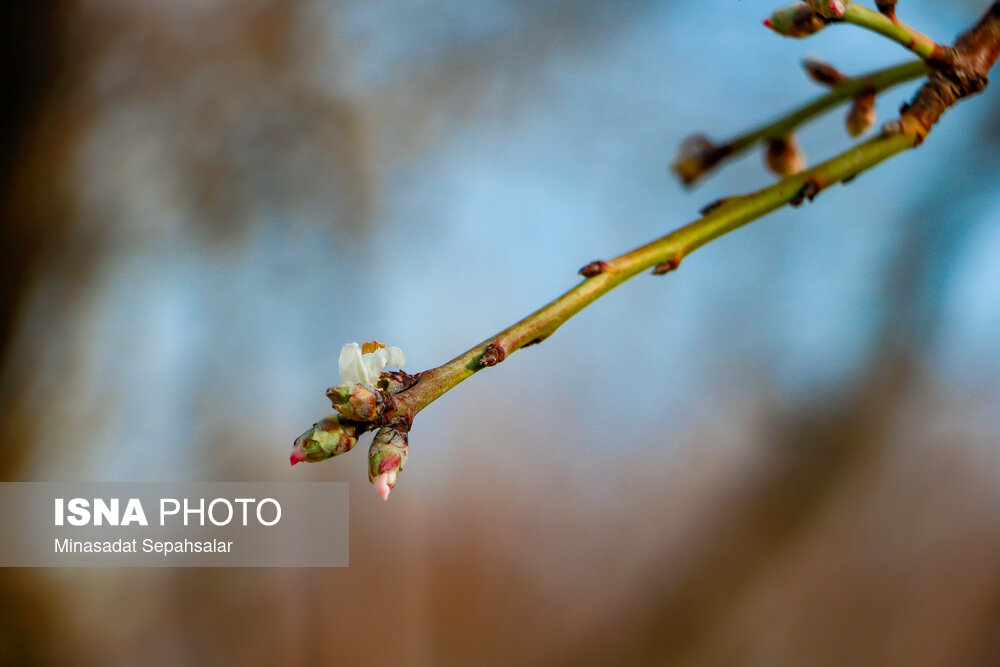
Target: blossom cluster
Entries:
(363, 401)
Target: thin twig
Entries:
(847, 89)
(915, 41)
(668, 250)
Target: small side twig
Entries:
(700, 155)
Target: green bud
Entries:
(358, 402)
(327, 438)
(798, 20)
(386, 458)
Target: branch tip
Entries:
(798, 20)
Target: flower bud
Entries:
(386, 457)
(696, 155)
(784, 157)
(861, 115)
(327, 438)
(822, 73)
(393, 382)
(831, 9)
(798, 20)
(357, 402)
(887, 7)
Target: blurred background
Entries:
(786, 453)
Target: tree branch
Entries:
(958, 71)
(666, 252)
(880, 22)
(699, 155)
(967, 64)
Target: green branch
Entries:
(974, 54)
(666, 252)
(691, 166)
(850, 88)
(915, 41)
(396, 397)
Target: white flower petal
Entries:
(395, 357)
(374, 363)
(358, 368)
(352, 365)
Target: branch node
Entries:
(595, 268)
(669, 265)
(809, 190)
(492, 356)
(887, 7)
(711, 206)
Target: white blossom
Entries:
(365, 368)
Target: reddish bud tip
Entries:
(384, 484)
(297, 457)
(767, 23)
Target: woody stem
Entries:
(668, 250)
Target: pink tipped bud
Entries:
(386, 457)
(327, 437)
(798, 20)
(784, 157)
(384, 484)
(767, 23)
(836, 8)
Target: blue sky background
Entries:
(492, 148)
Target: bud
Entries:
(696, 155)
(327, 438)
(887, 7)
(784, 157)
(831, 9)
(386, 457)
(393, 382)
(358, 402)
(798, 20)
(861, 115)
(822, 73)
